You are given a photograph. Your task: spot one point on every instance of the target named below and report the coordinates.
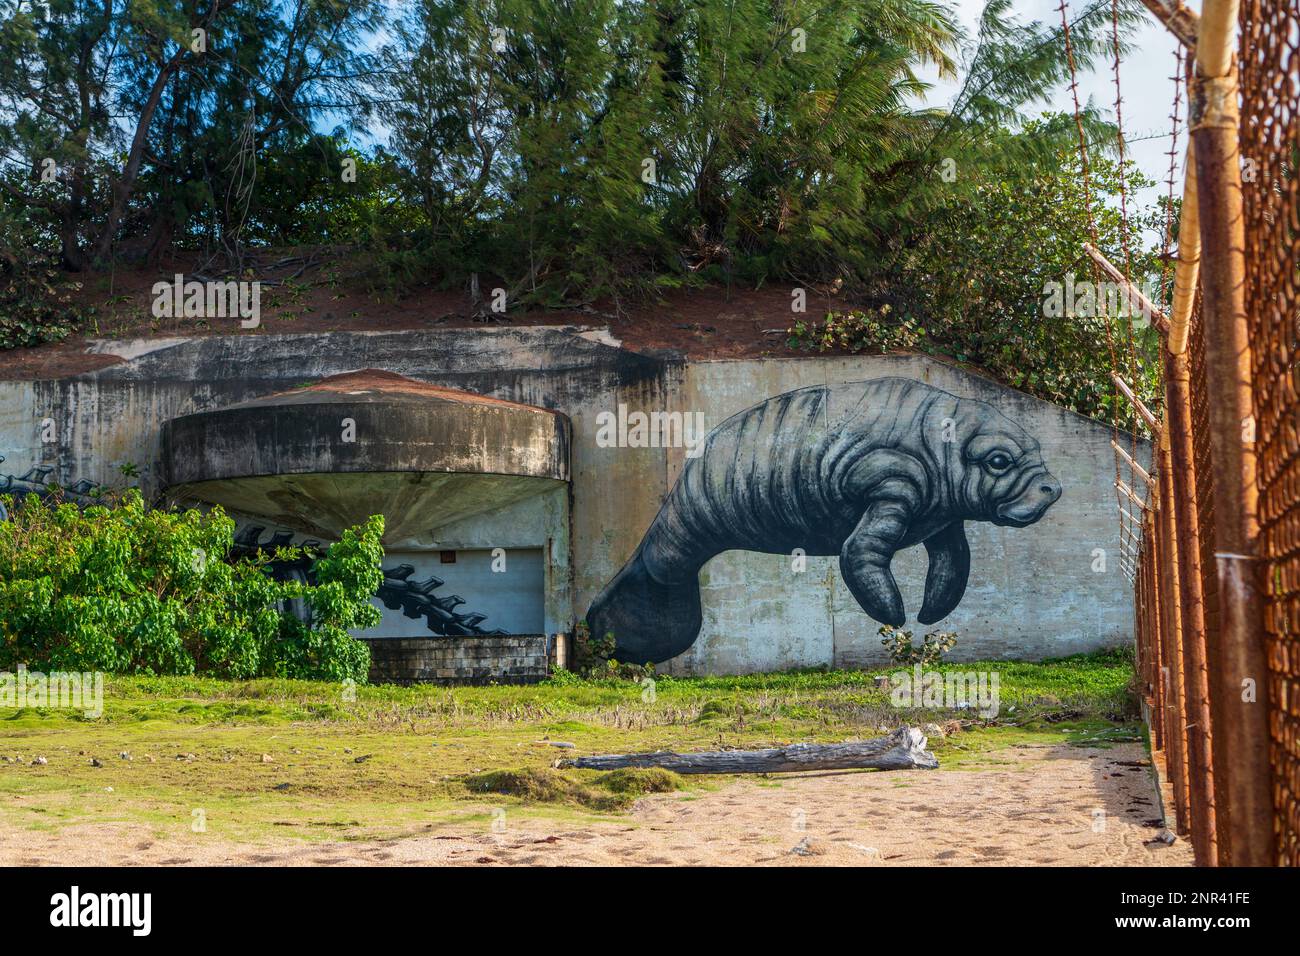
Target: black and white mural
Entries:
(39, 480)
(859, 470)
(420, 599)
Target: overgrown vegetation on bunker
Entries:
(570, 156)
(125, 588)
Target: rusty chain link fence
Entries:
(1175, 646)
(1270, 144)
(1184, 643)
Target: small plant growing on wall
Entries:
(594, 657)
(904, 653)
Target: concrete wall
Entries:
(1032, 591)
(510, 598)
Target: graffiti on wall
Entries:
(415, 599)
(859, 471)
(36, 481)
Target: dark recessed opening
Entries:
(447, 557)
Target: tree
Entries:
(181, 94)
(578, 150)
(35, 296)
(970, 278)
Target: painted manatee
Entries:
(859, 470)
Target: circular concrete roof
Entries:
(366, 442)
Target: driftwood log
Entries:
(904, 749)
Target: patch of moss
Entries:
(616, 790)
(542, 785)
(638, 781)
(723, 708)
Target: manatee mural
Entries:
(859, 470)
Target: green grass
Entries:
(1083, 685)
(391, 760)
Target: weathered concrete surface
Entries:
(516, 659)
(1032, 591)
(367, 421)
(322, 458)
(415, 504)
(112, 417)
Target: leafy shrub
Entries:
(1067, 368)
(133, 590)
(968, 280)
(903, 653)
(862, 330)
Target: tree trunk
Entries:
(122, 189)
(904, 749)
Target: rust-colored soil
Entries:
(713, 322)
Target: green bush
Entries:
(594, 658)
(133, 590)
(968, 280)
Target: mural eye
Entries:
(998, 461)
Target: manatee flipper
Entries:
(945, 583)
(651, 621)
(866, 556)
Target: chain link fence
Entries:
(1269, 67)
(1177, 577)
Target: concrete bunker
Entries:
(474, 491)
(222, 406)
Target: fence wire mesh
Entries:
(1167, 646)
(1269, 68)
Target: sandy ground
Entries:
(1048, 806)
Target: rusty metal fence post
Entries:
(1196, 694)
(1269, 66)
(1151, 559)
(1243, 729)
(1180, 769)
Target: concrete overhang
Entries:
(324, 457)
